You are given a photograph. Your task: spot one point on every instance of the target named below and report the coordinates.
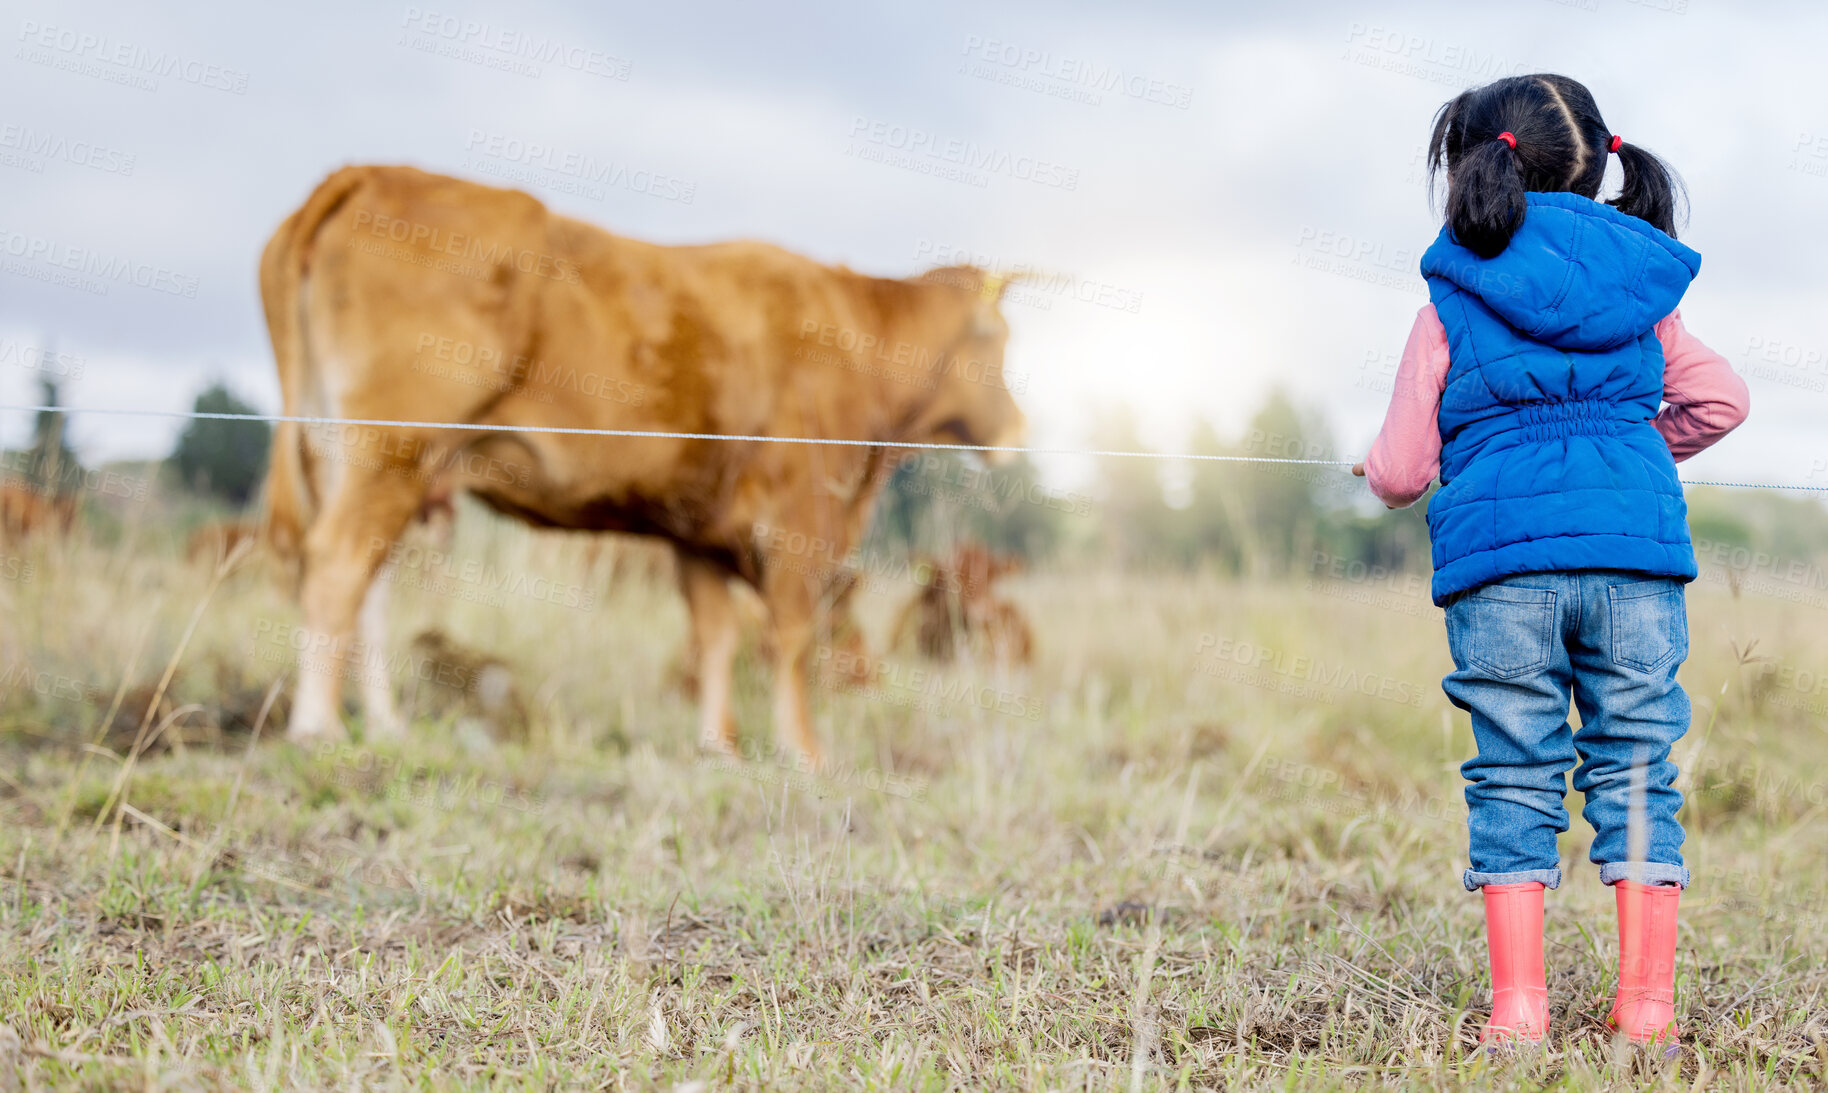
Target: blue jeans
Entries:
(1520, 646)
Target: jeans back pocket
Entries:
(1503, 631)
(1649, 624)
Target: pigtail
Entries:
(1485, 202)
(1444, 144)
(1543, 134)
(1651, 191)
(1485, 198)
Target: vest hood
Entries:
(1578, 274)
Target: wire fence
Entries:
(757, 438)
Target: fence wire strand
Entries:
(757, 438)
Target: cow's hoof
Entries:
(805, 760)
(316, 731)
(712, 744)
(384, 728)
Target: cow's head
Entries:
(972, 400)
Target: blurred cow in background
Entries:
(398, 295)
(26, 511)
(957, 613)
(215, 542)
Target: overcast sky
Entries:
(1227, 195)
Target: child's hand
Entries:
(1359, 470)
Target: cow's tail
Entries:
(289, 500)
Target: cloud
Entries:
(1185, 159)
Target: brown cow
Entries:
(397, 295)
(26, 511)
(212, 543)
(958, 612)
(215, 541)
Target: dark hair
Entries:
(1561, 146)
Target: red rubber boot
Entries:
(1646, 1005)
(1513, 932)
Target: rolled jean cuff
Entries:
(1548, 878)
(1643, 872)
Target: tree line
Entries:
(1240, 519)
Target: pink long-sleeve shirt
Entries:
(1704, 400)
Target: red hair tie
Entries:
(1509, 138)
(1613, 144)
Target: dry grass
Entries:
(1181, 873)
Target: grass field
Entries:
(1212, 839)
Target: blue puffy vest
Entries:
(1548, 458)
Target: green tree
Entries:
(50, 465)
(1138, 525)
(1282, 508)
(936, 499)
(1212, 534)
(226, 459)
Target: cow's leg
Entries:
(714, 637)
(792, 601)
(379, 714)
(363, 517)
